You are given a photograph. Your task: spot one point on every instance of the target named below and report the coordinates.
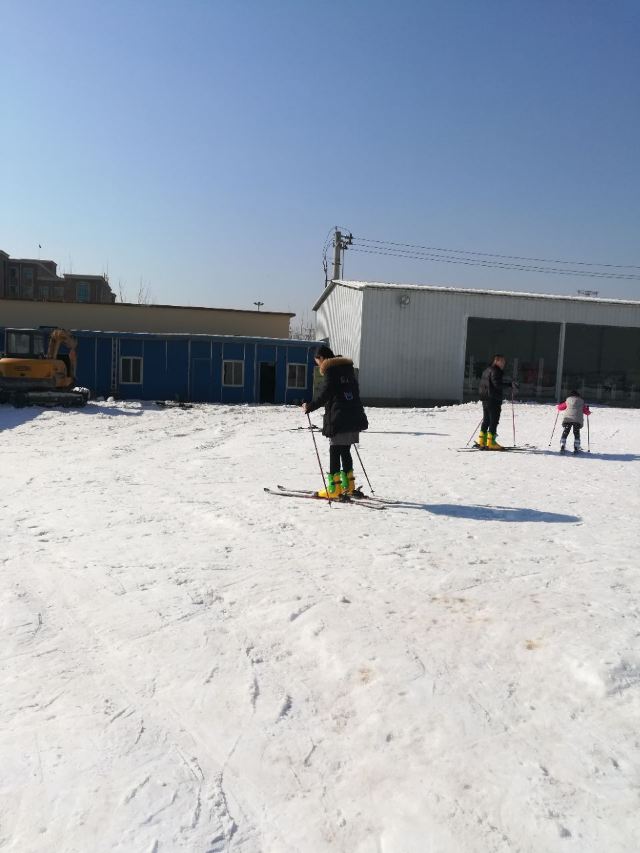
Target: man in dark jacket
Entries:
(490, 392)
(344, 418)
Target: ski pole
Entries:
(554, 428)
(588, 437)
(355, 446)
(324, 485)
(513, 418)
(474, 432)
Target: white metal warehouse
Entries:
(417, 344)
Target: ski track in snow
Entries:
(191, 664)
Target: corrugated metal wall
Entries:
(339, 319)
(411, 350)
(189, 368)
(413, 340)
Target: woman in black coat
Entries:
(344, 418)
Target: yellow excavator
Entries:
(31, 375)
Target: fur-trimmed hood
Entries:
(336, 361)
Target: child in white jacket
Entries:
(575, 408)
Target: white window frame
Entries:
(233, 361)
(131, 358)
(297, 387)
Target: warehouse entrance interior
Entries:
(267, 391)
(531, 350)
(603, 363)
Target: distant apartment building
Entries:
(38, 280)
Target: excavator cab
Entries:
(24, 343)
(34, 372)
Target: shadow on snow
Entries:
(11, 417)
(480, 512)
(605, 457)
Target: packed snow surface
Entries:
(190, 664)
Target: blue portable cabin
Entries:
(193, 367)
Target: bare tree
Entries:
(145, 297)
(303, 330)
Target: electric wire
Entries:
(385, 243)
(499, 265)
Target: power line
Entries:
(423, 256)
(386, 243)
(328, 239)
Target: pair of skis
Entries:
(358, 498)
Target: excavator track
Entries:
(75, 398)
(66, 399)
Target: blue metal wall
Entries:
(188, 368)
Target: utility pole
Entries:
(259, 304)
(337, 248)
(340, 243)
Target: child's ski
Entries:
(309, 495)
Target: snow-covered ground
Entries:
(190, 664)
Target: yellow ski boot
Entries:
(348, 482)
(482, 439)
(333, 489)
(492, 444)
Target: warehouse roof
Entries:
(378, 285)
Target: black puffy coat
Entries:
(340, 396)
(491, 384)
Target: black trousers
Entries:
(338, 453)
(566, 429)
(491, 415)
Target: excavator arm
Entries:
(58, 338)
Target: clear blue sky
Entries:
(208, 146)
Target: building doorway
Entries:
(267, 392)
(200, 380)
(531, 349)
